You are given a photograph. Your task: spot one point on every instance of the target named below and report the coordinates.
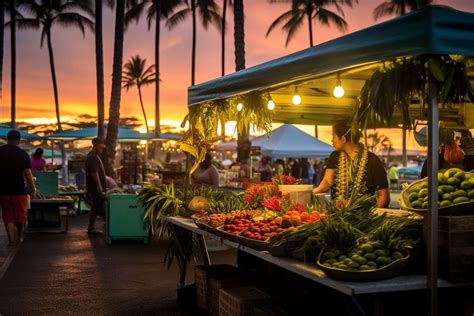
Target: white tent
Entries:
(285, 141)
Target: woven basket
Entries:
(465, 208)
(241, 301)
(220, 283)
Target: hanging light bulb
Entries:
(296, 99)
(338, 90)
(240, 106)
(271, 105)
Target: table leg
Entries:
(66, 228)
(203, 248)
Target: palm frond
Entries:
(26, 24)
(327, 18)
(293, 25)
(207, 10)
(135, 13)
(77, 6)
(75, 20)
(280, 20)
(385, 9)
(178, 17)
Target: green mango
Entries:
(383, 260)
(370, 256)
(377, 244)
(417, 204)
(423, 193)
(460, 175)
(440, 192)
(424, 205)
(367, 247)
(397, 255)
(372, 264)
(445, 203)
(460, 199)
(459, 193)
(470, 194)
(451, 172)
(365, 267)
(471, 180)
(441, 178)
(447, 196)
(424, 185)
(466, 185)
(454, 181)
(413, 196)
(447, 188)
(382, 252)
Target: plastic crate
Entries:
(202, 277)
(241, 301)
(220, 283)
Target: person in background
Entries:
(266, 170)
(279, 166)
(295, 169)
(95, 183)
(467, 144)
(304, 170)
(206, 173)
(393, 175)
(288, 166)
(15, 168)
(38, 163)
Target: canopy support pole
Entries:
(404, 146)
(433, 165)
(316, 132)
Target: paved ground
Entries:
(75, 274)
(6, 252)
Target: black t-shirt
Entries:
(93, 165)
(13, 162)
(376, 177)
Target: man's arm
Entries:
(95, 177)
(29, 180)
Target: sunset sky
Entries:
(75, 60)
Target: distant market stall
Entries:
(325, 83)
(284, 142)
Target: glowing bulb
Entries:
(271, 104)
(338, 91)
(240, 106)
(296, 99)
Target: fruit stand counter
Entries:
(312, 272)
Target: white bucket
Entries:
(299, 193)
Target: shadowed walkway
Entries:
(76, 274)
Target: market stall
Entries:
(360, 75)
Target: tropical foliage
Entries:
(204, 120)
(398, 7)
(136, 74)
(292, 20)
(398, 83)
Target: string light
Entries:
(296, 99)
(338, 90)
(270, 104)
(240, 106)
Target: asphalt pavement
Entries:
(78, 274)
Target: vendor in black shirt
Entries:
(352, 167)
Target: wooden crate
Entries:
(219, 283)
(241, 301)
(456, 248)
(202, 276)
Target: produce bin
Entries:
(125, 218)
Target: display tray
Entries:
(204, 226)
(252, 243)
(223, 234)
(389, 271)
(465, 208)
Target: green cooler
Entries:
(125, 218)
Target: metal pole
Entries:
(316, 132)
(404, 146)
(433, 164)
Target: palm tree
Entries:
(137, 75)
(47, 13)
(114, 108)
(398, 7)
(223, 30)
(207, 10)
(310, 10)
(12, 11)
(99, 62)
(2, 28)
(157, 10)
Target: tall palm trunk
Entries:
(243, 143)
(403, 8)
(2, 29)
(157, 68)
(309, 13)
(143, 107)
(99, 62)
(224, 11)
(114, 109)
(13, 62)
(193, 60)
(53, 77)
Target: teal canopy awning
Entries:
(125, 134)
(24, 135)
(433, 30)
